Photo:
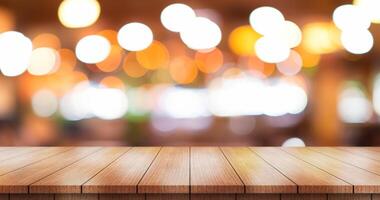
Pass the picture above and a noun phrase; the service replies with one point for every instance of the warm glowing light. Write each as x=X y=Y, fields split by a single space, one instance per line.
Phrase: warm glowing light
x=371 y=7
x=68 y=60
x=201 y=34
x=242 y=40
x=132 y=67
x=321 y=38
x=46 y=40
x=209 y=62
x=183 y=70
x=113 y=82
x=176 y=17
x=78 y=13
x=43 y=61
x=294 y=142
x=44 y=103
x=271 y=50
x=15 y=52
x=289 y=33
x=92 y=49
x=112 y=62
x=357 y=41
x=135 y=36
x=7 y=21
x=111 y=35
x=350 y=17
x=154 y=57
x=353 y=97
x=308 y=59
x=292 y=65
x=265 y=20
x=108 y=103
x=258 y=68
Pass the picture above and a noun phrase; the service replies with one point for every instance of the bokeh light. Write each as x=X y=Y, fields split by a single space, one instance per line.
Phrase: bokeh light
x=176 y=17
x=154 y=57
x=256 y=67
x=135 y=36
x=183 y=70
x=271 y=50
x=46 y=40
x=309 y=59
x=112 y=62
x=15 y=52
x=353 y=97
x=321 y=38
x=357 y=41
x=350 y=17
x=201 y=34
x=292 y=65
x=68 y=60
x=44 y=103
x=78 y=13
x=209 y=62
x=242 y=40
x=371 y=7
x=132 y=67
x=113 y=82
x=289 y=33
x=92 y=49
x=265 y=20
x=108 y=103
x=7 y=20
x=43 y=61
x=294 y=142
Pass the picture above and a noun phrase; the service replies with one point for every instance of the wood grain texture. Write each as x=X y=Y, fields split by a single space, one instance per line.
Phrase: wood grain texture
x=350 y=158
x=71 y=178
x=213 y=196
x=212 y=173
x=29 y=158
x=304 y=197
x=308 y=178
x=257 y=175
x=10 y=152
x=167 y=197
x=363 y=181
x=365 y=152
x=123 y=175
x=258 y=197
x=169 y=173
x=76 y=197
x=349 y=197
x=121 y=196
x=18 y=181
x=31 y=197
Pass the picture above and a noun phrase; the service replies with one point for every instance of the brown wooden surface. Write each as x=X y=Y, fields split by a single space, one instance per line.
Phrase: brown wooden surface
x=123 y=175
x=71 y=178
x=212 y=173
x=363 y=181
x=309 y=178
x=169 y=173
x=257 y=175
x=371 y=153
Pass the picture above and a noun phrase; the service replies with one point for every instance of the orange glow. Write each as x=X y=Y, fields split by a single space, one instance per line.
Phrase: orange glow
x=113 y=82
x=183 y=70
x=111 y=36
x=47 y=40
x=309 y=59
x=161 y=76
x=209 y=62
x=68 y=60
x=258 y=68
x=176 y=48
x=242 y=40
x=7 y=21
x=131 y=67
x=231 y=72
x=321 y=38
x=112 y=62
x=153 y=57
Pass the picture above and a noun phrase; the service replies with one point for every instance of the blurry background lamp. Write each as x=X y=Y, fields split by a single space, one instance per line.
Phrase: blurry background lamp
x=357 y=41
x=43 y=61
x=15 y=52
x=292 y=65
x=78 y=13
x=288 y=32
x=92 y=49
x=271 y=50
x=351 y=17
x=242 y=40
x=371 y=7
x=293 y=142
x=44 y=103
x=201 y=34
x=135 y=36
x=321 y=38
x=266 y=20
x=353 y=106
x=176 y=17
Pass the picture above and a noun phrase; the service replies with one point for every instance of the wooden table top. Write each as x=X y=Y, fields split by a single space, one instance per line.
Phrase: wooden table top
x=184 y=170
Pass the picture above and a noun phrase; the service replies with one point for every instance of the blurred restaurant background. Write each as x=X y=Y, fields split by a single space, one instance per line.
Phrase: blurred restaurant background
x=190 y=72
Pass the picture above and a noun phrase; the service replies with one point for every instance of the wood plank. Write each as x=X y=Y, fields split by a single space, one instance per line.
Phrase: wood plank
x=212 y=173
x=71 y=178
x=9 y=152
x=213 y=196
x=167 y=197
x=366 y=152
x=376 y=197
x=350 y=158
x=30 y=158
x=76 y=197
x=349 y=197
x=31 y=197
x=4 y=196
x=169 y=173
x=121 y=196
x=258 y=197
x=304 y=197
x=18 y=181
x=123 y=175
x=309 y=178
x=363 y=181
x=257 y=175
